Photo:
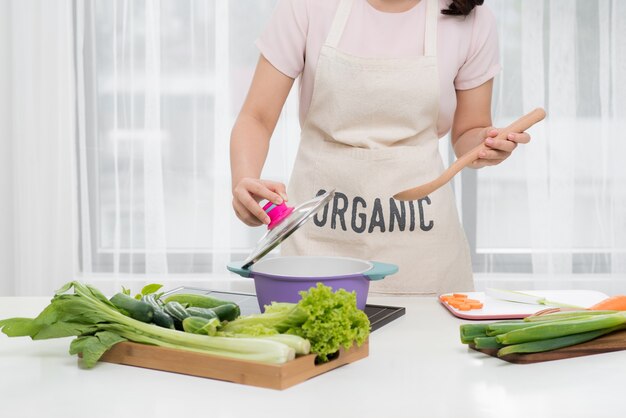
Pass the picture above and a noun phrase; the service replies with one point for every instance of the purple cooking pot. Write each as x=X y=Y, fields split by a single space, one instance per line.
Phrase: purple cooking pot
x=280 y=279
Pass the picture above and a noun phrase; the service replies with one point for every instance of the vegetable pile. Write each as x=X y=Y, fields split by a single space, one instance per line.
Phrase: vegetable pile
x=328 y=320
x=321 y=323
x=540 y=333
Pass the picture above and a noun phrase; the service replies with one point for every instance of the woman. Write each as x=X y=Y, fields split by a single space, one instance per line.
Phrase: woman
x=380 y=82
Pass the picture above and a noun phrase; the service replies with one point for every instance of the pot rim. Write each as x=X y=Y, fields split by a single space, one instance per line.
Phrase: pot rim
x=359 y=273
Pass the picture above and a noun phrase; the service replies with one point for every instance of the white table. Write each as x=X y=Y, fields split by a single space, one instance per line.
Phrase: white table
x=416 y=368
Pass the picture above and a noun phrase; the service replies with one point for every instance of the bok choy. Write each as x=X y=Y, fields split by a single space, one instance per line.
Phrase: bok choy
x=98 y=324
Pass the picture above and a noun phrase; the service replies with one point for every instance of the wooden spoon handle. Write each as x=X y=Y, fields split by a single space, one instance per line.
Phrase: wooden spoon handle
x=520 y=125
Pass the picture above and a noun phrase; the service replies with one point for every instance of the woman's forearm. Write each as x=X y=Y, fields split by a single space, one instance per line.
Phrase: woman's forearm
x=249 y=144
x=250 y=137
x=468 y=140
x=472 y=118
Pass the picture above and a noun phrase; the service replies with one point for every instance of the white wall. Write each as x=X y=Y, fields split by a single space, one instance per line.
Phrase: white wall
x=6 y=151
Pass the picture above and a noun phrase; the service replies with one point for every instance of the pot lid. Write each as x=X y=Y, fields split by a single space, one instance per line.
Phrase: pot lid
x=284 y=221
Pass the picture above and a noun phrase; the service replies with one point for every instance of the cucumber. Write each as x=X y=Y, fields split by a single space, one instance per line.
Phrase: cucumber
x=197 y=301
x=160 y=317
x=136 y=309
x=227 y=312
x=202 y=312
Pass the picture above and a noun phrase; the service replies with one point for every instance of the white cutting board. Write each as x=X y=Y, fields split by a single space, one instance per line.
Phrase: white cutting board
x=502 y=309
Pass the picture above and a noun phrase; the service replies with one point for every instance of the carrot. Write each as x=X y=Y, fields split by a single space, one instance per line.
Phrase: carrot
x=614 y=303
x=461 y=302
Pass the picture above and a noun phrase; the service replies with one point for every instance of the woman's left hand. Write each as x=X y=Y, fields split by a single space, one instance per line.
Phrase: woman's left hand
x=499 y=150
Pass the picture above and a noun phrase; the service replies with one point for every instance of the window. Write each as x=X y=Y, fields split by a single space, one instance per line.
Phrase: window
x=160 y=85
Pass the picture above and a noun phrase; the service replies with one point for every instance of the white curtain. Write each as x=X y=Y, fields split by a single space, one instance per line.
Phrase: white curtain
x=160 y=84
x=127 y=106
x=557 y=208
x=38 y=216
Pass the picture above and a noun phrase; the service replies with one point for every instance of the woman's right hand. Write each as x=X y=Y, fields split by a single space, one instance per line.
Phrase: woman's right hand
x=247 y=194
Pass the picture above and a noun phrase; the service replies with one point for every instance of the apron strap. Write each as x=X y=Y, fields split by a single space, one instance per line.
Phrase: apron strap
x=339 y=22
x=430 y=34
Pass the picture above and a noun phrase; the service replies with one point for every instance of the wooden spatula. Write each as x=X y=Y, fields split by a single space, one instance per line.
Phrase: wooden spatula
x=424 y=190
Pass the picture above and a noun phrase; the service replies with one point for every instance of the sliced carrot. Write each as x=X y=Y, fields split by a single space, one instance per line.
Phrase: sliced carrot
x=460 y=301
x=614 y=303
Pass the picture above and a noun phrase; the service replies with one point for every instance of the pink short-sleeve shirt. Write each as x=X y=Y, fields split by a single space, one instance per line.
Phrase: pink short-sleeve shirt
x=467 y=46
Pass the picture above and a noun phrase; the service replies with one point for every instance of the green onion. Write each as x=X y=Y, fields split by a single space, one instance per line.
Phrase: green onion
x=504 y=327
x=486 y=343
x=548 y=330
x=471 y=331
x=554 y=343
x=566 y=315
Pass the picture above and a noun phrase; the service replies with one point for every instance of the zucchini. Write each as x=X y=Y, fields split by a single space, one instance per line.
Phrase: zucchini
x=160 y=317
x=176 y=311
x=136 y=309
x=152 y=301
x=227 y=312
x=197 y=301
x=202 y=312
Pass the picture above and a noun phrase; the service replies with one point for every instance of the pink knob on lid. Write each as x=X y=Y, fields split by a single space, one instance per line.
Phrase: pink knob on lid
x=276 y=213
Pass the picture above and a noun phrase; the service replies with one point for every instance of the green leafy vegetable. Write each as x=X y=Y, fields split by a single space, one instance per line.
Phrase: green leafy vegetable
x=99 y=325
x=201 y=325
x=92 y=347
x=329 y=320
x=150 y=288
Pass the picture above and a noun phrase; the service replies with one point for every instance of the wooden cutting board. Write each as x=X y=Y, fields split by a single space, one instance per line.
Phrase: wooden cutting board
x=615 y=341
x=273 y=376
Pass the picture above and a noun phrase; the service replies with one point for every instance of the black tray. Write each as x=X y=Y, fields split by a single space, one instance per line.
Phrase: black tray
x=378 y=315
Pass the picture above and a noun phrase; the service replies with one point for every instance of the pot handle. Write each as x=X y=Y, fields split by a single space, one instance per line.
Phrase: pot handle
x=380 y=270
x=235 y=267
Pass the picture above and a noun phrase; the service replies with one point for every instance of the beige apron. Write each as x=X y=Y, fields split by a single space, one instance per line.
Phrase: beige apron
x=371 y=131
